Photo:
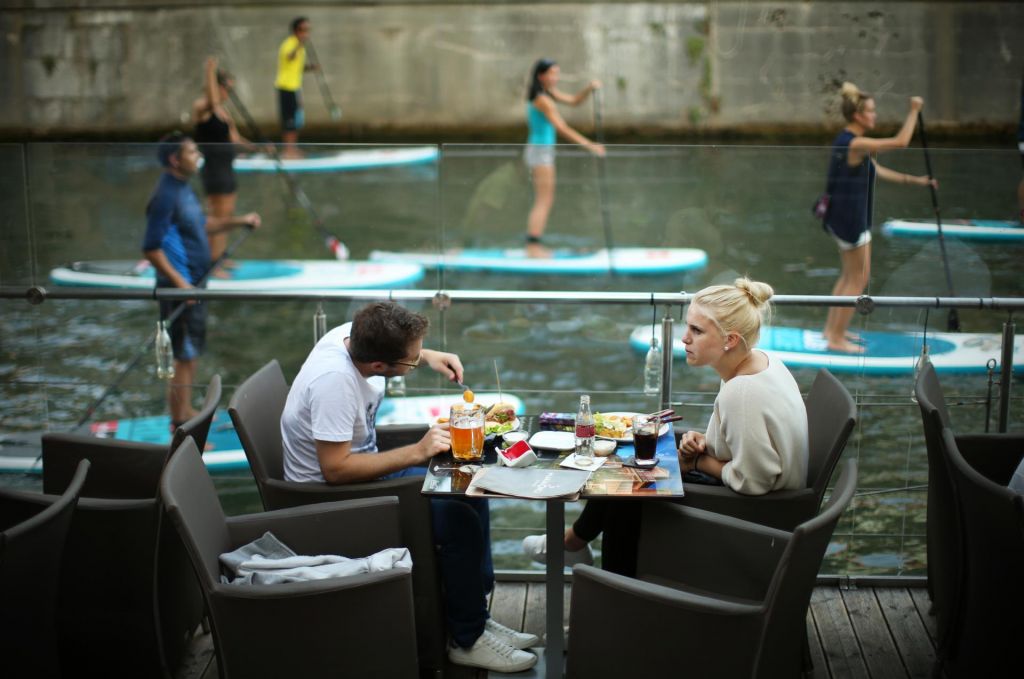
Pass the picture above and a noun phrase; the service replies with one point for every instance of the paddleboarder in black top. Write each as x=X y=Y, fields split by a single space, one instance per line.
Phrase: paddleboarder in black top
x=217 y=137
x=851 y=178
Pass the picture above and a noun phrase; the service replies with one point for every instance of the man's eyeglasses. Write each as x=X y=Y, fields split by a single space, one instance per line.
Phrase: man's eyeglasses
x=413 y=366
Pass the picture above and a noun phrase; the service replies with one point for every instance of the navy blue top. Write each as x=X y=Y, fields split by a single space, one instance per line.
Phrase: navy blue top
x=175 y=223
x=851 y=191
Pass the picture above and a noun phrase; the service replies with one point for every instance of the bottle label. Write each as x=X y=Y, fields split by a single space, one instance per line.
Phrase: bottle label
x=585 y=431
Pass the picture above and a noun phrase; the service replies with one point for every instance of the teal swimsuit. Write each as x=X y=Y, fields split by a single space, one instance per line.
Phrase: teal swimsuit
x=540 y=144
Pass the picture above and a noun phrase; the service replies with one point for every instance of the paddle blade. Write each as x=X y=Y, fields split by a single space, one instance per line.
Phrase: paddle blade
x=338 y=248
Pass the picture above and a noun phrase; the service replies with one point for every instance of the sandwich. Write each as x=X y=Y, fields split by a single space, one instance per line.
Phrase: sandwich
x=501 y=412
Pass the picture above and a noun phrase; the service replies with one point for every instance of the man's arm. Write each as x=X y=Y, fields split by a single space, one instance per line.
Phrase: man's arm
x=221 y=224
x=340 y=465
x=443 y=362
x=163 y=266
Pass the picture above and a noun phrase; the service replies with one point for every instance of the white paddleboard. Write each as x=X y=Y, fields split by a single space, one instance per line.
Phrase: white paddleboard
x=630 y=261
x=251 y=274
x=966 y=229
x=20 y=453
x=886 y=353
x=340 y=161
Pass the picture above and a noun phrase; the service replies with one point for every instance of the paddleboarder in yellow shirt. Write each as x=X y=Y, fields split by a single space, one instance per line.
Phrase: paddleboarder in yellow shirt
x=291 y=64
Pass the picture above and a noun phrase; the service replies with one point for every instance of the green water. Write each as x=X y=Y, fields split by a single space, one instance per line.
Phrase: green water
x=748 y=207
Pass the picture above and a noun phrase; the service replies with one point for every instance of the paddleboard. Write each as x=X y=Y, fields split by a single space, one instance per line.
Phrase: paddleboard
x=19 y=453
x=631 y=261
x=251 y=274
x=886 y=353
x=966 y=229
x=340 y=161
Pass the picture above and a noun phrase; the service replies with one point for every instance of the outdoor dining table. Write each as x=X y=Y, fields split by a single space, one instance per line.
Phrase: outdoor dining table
x=612 y=480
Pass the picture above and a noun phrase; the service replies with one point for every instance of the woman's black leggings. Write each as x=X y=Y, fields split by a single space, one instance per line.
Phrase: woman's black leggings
x=619 y=520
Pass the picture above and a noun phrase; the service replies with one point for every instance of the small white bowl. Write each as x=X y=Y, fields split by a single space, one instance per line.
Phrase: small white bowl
x=511 y=437
x=603 y=448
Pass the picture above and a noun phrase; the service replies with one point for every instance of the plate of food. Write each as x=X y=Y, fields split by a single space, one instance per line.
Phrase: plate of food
x=618 y=426
x=498 y=419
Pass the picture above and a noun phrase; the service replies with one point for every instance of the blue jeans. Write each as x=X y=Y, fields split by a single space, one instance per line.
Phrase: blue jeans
x=462 y=532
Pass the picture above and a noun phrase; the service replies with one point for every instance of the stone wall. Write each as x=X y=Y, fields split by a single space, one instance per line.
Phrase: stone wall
x=458 y=68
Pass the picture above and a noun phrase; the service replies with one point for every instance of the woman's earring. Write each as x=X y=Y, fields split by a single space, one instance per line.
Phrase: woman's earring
x=725 y=348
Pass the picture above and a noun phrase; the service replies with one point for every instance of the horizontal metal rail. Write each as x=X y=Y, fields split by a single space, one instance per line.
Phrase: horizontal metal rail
x=864 y=304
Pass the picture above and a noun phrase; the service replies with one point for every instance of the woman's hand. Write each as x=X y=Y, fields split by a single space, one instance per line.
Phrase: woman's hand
x=595 y=85
x=692 y=444
x=598 y=150
x=916 y=104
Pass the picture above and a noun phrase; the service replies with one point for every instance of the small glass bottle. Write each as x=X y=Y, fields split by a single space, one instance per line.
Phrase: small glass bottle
x=164 y=352
x=584 y=432
x=652 y=368
x=396 y=386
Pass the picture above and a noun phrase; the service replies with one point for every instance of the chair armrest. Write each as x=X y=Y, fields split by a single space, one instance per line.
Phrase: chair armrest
x=601 y=598
x=352 y=528
x=295 y=493
x=782 y=509
x=994 y=456
x=708 y=551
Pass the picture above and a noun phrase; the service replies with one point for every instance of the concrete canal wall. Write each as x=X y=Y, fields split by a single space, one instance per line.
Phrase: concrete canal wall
x=451 y=70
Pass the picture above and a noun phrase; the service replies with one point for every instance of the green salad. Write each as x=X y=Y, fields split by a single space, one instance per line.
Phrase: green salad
x=491 y=427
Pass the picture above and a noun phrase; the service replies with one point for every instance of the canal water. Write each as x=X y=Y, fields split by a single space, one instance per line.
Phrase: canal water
x=748 y=207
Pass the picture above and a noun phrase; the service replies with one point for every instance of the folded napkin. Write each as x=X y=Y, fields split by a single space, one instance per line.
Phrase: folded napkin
x=268 y=561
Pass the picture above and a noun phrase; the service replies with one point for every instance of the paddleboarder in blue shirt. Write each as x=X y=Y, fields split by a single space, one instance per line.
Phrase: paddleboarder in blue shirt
x=176 y=244
x=851 y=181
x=545 y=123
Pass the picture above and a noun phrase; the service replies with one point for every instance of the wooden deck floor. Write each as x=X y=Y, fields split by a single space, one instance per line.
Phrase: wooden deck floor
x=871 y=632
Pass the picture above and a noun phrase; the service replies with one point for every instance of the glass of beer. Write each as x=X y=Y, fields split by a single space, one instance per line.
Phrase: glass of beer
x=645 y=439
x=466 y=425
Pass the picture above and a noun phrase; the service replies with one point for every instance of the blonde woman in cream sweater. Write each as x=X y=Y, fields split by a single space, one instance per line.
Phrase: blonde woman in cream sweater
x=756 y=440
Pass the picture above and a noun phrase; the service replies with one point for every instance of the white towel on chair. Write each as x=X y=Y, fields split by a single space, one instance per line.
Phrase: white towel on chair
x=268 y=561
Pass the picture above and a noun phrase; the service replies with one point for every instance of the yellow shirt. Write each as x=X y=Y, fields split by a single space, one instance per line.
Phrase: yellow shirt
x=289 y=71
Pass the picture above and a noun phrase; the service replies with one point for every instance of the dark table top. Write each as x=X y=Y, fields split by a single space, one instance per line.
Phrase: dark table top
x=612 y=479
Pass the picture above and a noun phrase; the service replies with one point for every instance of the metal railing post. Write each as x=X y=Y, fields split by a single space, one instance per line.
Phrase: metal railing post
x=1006 y=375
x=666 y=360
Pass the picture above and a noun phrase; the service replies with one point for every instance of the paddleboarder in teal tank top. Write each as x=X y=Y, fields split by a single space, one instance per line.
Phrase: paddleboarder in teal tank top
x=851 y=179
x=545 y=124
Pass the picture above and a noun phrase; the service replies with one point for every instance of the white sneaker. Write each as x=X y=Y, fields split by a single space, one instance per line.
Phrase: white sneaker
x=491 y=653
x=536 y=546
x=520 y=640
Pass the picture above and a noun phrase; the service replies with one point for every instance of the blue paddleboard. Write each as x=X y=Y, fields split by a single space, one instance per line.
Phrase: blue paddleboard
x=886 y=353
x=630 y=261
x=340 y=161
x=250 y=275
x=966 y=229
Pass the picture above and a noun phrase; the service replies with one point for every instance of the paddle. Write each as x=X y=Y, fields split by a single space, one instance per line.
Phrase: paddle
x=953 y=321
x=602 y=183
x=333 y=243
x=178 y=310
x=334 y=110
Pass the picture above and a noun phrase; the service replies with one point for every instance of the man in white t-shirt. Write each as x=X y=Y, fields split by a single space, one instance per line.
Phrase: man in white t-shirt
x=328 y=432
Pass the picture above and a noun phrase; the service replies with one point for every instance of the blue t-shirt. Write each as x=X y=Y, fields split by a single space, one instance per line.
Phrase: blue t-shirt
x=176 y=224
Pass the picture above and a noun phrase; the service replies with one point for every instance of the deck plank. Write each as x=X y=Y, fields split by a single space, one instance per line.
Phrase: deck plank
x=908 y=630
x=508 y=604
x=924 y=606
x=819 y=665
x=837 y=637
x=869 y=625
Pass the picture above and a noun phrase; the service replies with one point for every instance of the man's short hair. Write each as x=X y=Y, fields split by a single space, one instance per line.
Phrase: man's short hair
x=383 y=331
x=169 y=145
x=298 y=21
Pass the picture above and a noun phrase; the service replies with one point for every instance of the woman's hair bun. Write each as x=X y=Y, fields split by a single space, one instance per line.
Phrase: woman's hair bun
x=758 y=292
x=849 y=90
